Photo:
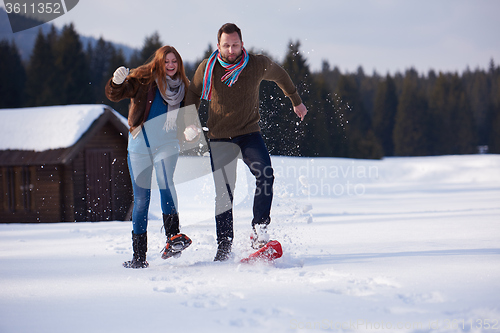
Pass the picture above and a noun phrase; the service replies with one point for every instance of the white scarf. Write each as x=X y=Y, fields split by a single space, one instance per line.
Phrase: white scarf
x=173 y=95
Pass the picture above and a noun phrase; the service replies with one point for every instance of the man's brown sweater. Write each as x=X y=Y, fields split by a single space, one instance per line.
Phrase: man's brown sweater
x=234 y=110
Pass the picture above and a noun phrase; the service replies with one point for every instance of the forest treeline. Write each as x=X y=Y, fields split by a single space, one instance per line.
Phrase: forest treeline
x=350 y=114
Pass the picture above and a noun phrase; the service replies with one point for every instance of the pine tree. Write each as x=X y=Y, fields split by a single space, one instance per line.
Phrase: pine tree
x=42 y=85
x=72 y=68
x=39 y=71
x=494 y=118
x=151 y=44
x=326 y=131
x=453 y=129
x=494 y=139
x=330 y=76
x=466 y=136
x=298 y=69
x=362 y=143
x=292 y=130
x=384 y=114
x=411 y=129
x=367 y=86
x=99 y=59
x=477 y=87
x=12 y=76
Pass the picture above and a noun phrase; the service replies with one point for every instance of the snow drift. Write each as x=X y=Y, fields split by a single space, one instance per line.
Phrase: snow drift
x=398 y=245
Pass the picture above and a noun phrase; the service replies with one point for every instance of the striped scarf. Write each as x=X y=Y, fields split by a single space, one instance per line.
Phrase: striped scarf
x=231 y=76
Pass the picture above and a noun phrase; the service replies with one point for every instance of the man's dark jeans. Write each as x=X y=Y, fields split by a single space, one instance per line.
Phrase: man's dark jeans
x=224 y=154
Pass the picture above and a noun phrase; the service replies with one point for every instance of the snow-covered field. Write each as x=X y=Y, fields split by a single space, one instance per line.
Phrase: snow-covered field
x=398 y=245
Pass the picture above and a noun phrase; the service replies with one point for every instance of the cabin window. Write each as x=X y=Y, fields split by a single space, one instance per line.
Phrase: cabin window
x=18 y=189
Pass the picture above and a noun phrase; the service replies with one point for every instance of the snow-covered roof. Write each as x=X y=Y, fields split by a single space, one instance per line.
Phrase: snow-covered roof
x=44 y=128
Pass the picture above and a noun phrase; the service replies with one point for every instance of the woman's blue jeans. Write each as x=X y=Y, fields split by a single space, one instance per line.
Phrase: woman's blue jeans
x=141 y=171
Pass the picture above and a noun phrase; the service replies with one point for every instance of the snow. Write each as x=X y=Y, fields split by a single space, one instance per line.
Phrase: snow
x=50 y=127
x=397 y=245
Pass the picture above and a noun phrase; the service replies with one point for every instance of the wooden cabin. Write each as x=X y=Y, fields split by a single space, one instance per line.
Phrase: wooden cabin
x=64 y=164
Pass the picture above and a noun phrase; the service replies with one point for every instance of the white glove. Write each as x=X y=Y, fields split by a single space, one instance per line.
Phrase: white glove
x=191 y=132
x=120 y=75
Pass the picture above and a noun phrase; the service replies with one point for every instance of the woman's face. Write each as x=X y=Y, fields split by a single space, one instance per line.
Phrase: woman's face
x=171 y=64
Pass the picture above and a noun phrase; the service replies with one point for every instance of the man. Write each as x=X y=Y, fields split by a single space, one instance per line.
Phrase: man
x=229 y=80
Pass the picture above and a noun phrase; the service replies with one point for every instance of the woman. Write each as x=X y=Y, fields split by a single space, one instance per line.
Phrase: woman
x=156 y=91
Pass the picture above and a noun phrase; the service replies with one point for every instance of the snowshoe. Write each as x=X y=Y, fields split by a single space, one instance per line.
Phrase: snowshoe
x=175 y=245
x=272 y=250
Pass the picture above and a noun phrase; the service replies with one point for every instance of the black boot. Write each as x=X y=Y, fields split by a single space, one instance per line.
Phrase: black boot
x=171 y=224
x=223 y=250
x=224 y=229
x=176 y=242
x=140 y=246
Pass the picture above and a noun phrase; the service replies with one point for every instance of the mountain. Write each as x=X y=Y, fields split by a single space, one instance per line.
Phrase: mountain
x=25 y=40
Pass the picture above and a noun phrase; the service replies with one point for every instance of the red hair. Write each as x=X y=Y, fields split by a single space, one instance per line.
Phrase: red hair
x=154 y=69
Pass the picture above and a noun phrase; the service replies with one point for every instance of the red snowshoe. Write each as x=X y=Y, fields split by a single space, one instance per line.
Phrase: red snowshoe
x=272 y=250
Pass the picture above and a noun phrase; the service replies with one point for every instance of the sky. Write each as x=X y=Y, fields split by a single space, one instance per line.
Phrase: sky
x=385 y=36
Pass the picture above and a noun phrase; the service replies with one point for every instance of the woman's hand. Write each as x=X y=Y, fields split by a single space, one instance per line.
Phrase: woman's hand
x=120 y=75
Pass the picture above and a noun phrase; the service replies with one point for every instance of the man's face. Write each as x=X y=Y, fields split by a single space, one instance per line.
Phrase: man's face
x=230 y=47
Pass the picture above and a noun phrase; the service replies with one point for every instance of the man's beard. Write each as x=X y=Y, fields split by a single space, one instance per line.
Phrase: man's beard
x=231 y=61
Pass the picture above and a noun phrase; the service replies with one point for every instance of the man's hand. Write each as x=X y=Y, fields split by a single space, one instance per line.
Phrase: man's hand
x=192 y=132
x=300 y=110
